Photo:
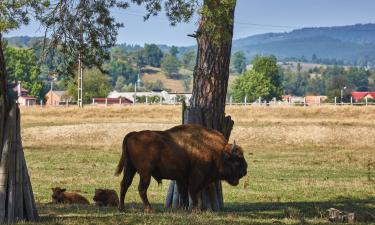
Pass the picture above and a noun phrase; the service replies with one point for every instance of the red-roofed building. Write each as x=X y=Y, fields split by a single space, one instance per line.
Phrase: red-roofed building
x=23 y=95
x=358 y=96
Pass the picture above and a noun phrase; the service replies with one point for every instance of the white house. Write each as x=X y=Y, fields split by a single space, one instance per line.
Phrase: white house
x=168 y=98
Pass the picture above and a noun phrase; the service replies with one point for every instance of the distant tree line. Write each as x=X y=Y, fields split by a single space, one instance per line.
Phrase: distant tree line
x=268 y=80
x=27 y=64
x=120 y=72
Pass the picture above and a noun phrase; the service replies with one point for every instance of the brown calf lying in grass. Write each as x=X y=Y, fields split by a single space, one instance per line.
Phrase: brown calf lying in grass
x=106 y=197
x=60 y=196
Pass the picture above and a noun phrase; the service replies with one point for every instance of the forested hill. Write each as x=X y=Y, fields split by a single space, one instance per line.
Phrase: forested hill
x=347 y=44
x=353 y=44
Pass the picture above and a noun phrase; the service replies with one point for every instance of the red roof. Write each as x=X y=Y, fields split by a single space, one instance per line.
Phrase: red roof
x=359 y=95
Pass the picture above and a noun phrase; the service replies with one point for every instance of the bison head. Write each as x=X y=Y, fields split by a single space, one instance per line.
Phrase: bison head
x=234 y=165
x=58 y=194
x=100 y=195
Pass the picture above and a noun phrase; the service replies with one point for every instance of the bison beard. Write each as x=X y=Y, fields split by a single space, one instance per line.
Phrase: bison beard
x=192 y=155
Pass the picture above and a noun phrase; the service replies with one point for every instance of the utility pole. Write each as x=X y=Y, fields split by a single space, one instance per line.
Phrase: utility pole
x=80 y=70
x=80 y=82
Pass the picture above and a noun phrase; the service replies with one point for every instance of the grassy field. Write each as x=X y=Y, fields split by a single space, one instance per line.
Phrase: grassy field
x=302 y=161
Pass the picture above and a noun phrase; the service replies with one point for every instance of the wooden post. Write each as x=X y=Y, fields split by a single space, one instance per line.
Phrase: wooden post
x=120 y=100
x=230 y=100
x=106 y=102
x=351 y=100
x=304 y=101
x=366 y=101
x=245 y=100
x=93 y=101
x=260 y=100
x=335 y=101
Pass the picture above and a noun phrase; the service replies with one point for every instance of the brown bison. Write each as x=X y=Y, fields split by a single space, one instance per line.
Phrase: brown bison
x=60 y=195
x=105 y=197
x=192 y=155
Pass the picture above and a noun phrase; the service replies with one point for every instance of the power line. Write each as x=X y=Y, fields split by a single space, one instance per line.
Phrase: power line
x=242 y=23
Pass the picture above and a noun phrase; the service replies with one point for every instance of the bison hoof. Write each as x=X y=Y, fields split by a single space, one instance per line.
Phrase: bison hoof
x=149 y=210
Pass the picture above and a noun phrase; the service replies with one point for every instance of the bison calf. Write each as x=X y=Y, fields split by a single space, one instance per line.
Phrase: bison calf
x=192 y=155
x=106 y=197
x=60 y=195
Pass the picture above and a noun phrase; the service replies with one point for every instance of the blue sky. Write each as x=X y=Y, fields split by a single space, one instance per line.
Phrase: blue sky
x=252 y=17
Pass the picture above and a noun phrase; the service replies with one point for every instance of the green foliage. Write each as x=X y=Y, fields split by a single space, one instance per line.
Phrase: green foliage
x=120 y=65
x=150 y=55
x=188 y=59
x=170 y=65
x=22 y=65
x=254 y=84
x=180 y=98
x=15 y=13
x=84 y=28
x=262 y=81
x=96 y=85
x=120 y=83
x=157 y=85
x=238 y=62
x=173 y=51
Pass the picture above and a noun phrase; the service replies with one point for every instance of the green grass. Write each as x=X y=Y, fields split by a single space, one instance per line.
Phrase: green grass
x=286 y=183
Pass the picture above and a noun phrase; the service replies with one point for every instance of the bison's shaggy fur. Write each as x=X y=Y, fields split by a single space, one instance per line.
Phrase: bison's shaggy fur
x=106 y=197
x=60 y=195
x=192 y=155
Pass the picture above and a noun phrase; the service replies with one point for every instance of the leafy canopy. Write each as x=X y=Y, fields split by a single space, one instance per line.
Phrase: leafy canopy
x=170 y=65
x=239 y=62
x=263 y=80
x=22 y=66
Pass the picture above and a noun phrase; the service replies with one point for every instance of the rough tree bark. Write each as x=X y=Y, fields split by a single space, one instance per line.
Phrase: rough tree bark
x=16 y=197
x=207 y=105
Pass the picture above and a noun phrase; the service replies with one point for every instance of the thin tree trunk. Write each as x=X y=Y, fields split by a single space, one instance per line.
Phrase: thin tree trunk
x=16 y=198
x=211 y=74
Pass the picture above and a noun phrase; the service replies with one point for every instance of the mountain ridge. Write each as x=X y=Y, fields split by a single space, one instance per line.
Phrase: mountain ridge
x=351 y=44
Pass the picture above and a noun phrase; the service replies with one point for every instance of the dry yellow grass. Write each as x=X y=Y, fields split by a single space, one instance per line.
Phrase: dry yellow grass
x=173 y=85
x=303 y=161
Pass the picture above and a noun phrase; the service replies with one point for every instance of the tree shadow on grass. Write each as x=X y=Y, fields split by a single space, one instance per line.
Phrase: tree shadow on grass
x=256 y=212
x=364 y=209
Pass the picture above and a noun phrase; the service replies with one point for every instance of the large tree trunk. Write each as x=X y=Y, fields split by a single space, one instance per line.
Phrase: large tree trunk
x=211 y=74
x=16 y=197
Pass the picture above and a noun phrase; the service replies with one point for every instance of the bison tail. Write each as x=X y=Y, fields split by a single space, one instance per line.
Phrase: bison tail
x=123 y=160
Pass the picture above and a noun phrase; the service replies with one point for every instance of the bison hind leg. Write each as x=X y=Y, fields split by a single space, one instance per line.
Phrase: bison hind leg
x=144 y=183
x=125 y=183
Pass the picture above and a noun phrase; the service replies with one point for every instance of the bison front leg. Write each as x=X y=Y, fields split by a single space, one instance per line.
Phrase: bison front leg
x=144 y=182
x=196 y=184
x=183 y=192
x=125 y=184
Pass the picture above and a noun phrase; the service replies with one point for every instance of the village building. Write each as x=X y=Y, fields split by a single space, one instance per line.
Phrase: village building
x=55 y=98
x=167 y=97
x=359 y=96
x=23 y=95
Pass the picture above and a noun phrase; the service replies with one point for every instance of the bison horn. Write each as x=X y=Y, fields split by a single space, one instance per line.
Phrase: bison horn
x=233 y=146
